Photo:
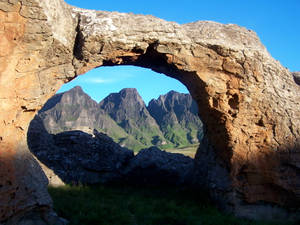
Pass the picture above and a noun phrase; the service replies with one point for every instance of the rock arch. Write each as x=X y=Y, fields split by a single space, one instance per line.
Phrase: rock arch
x=250 y=158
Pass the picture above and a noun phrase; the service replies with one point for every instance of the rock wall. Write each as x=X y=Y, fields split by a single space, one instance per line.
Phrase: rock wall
x=249 y=102
x=33 y=64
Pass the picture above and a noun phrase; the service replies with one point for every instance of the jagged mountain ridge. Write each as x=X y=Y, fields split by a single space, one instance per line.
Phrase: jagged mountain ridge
x=129 y=111
x=176 y=114
x=169 y=121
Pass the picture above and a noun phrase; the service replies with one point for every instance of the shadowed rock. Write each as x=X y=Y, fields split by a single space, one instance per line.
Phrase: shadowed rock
x=296 y=76
x=154 y=167
x=80 y=158
x=77 y=157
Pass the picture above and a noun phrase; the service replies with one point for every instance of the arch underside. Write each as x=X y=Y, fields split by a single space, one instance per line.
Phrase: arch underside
x=250 y=156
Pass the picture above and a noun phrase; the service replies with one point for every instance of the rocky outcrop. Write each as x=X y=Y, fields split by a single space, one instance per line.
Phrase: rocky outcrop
x=249 y=102
x=77 y=157
x=296 y=76
x=154 y=167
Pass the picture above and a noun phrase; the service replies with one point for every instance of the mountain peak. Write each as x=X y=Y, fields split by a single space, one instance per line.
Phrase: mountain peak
x=127 y=98
x=172 y=92
x=67 y=96
x=76 y=89
x=173 y=107
x=128 y=109
x=129 y=93
x=125 y=117
x=129 y=90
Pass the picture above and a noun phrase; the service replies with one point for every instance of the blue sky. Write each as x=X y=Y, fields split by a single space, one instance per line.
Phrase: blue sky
x=277 y=23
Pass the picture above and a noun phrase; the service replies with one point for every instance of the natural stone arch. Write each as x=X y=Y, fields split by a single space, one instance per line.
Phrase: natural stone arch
x=249 y=102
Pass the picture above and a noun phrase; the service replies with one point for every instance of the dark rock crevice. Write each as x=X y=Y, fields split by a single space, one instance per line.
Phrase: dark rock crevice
x=296 y=76
x=79 y=41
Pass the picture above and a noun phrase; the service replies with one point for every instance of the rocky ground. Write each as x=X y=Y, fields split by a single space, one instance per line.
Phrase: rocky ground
x=77 y=157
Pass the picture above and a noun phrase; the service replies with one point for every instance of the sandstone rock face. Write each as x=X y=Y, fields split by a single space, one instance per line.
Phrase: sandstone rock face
x=249 y=102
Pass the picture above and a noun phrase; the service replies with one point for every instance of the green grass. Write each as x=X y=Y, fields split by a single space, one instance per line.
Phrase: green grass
x=189 y=150
x=122 y=205
x=176 y=135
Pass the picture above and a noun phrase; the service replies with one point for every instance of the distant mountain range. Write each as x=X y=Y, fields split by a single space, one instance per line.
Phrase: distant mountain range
x=171 y=121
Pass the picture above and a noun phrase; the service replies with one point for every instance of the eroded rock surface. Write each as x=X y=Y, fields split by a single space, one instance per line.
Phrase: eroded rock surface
x=249 y=102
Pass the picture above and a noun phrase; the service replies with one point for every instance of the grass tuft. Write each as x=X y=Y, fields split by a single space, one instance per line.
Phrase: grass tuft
x=123 y=205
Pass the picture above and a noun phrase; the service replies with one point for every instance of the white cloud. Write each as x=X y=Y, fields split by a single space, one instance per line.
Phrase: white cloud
x=108 y=78
x=98 y=80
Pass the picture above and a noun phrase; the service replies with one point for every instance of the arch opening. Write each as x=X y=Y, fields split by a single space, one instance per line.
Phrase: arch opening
x=72 y=127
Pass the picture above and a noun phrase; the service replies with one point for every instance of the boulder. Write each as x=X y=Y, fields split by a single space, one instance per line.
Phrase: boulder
x=76 y=157
x=154 y=167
